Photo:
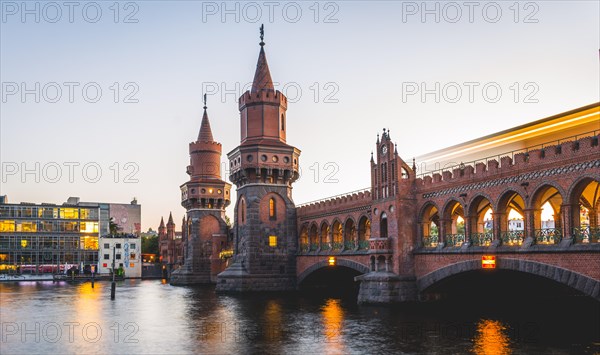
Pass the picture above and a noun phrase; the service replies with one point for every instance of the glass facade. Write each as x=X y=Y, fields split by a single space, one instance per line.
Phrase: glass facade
x=48 y=238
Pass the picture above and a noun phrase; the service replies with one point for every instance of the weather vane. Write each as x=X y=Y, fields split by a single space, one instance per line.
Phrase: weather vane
x=205 y=101
x=262 y=34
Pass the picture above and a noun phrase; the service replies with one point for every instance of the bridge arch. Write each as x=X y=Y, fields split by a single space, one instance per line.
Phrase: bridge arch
x=584 y=201
x=358 y=267
x=324 y=234
x=452 y=226
x=575 y=280
x=509 y=217
x=429 y=222
x=478 y=228
x=547 y=224
x=538 y=192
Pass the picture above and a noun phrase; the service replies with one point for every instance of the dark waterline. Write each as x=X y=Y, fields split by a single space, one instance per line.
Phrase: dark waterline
x=151 y=317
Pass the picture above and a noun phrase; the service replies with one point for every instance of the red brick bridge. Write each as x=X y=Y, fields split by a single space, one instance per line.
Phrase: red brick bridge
x=535 y=210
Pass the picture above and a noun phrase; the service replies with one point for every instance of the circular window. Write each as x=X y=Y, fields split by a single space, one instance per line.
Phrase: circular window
x=249 y=158
x=286 y=160
x=275 y=159
x=391 y=208
x=193 y=191
x=219 y=191
x=203 y=191
x=263 y=157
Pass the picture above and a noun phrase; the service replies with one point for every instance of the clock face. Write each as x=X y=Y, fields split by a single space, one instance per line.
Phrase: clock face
x=384 y=149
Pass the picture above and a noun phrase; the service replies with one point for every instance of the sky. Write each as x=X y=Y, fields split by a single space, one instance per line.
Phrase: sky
x=100 y=99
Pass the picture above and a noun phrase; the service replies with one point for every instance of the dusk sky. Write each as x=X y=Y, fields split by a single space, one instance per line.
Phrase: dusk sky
x=349 y=69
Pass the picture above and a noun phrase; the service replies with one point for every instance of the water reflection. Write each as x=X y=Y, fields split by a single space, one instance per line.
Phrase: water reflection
x=333 y=322
x=150 y=317
x=491 y=338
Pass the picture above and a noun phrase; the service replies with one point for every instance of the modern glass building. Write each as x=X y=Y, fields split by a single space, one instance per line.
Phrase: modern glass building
x=47 y=238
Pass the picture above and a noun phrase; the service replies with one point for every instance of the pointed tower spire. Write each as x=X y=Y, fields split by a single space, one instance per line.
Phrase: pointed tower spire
x=170 y=219
x=205 y=134
x=262 y=76
x=162 y=223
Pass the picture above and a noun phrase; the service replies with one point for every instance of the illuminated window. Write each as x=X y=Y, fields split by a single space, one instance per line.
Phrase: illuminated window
x=89 y=227
x=26 y=227
x=272 y=208
x=69 y=213
x=7 y=226
x=132 y=256
x=131 y=264
x=89 y=243
x=272 y=241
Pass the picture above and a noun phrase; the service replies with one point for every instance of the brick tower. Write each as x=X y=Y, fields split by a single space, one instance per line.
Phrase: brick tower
x=263 y=167
x=393 y=228
x=205 y=197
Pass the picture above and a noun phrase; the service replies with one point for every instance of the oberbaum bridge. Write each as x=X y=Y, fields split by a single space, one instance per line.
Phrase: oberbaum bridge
x=408 y=231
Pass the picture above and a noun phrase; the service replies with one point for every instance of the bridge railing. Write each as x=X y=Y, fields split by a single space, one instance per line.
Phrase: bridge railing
x=511 y=154
x=481 y=239
x=586 y=234
x=454 y=240
x=548 y=236
x=510 y=238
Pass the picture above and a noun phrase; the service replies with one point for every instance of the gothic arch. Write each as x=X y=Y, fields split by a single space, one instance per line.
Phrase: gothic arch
x=579 y=185
x=446 y=212
x=363 y=269
x=241 y=209
x=426 y=205
x=507 y=193
x=575 y=280
x=209 y=225
x=540 y=188
x=269 y=203
x=324 y=232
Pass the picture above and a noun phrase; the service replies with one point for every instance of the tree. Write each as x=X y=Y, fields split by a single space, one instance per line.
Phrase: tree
x=113 y=227
x=150 y=245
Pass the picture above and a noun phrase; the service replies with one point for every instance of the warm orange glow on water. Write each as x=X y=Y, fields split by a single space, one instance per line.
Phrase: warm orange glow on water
x=333 y=322
x=273 y=320
x=491 y=338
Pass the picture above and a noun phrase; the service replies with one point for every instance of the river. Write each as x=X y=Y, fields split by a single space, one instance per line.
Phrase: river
x=152 y=317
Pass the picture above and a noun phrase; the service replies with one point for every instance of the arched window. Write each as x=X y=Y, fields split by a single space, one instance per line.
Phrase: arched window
x=243 y=211
x=272 y=208
x=383 y=226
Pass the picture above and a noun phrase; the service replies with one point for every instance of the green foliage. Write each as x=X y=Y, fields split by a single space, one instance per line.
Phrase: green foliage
x=113 y=227
x=150 y=245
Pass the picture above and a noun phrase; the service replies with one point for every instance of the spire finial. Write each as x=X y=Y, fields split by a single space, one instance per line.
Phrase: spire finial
x=205 y=101
x=262 y=35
